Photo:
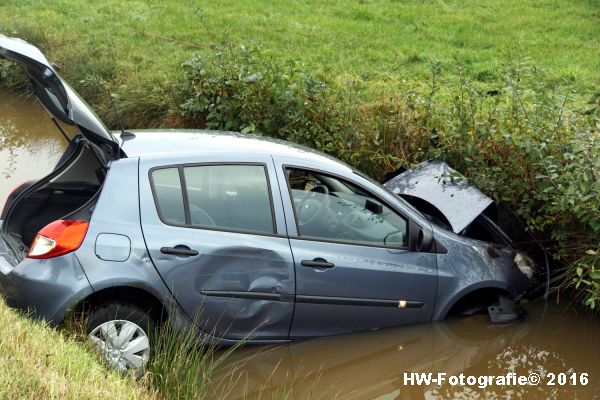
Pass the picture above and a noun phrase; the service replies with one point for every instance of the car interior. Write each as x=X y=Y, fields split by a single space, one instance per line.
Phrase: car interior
x=330 y=208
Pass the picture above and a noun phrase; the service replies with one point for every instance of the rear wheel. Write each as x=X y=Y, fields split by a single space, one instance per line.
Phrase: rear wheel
x=122 y=333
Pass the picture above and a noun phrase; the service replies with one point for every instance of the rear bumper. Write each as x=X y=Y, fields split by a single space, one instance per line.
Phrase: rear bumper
x=45 y=288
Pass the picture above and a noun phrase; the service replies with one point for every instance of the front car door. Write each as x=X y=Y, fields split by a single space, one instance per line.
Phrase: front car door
x=354 y=269
x=215 y=232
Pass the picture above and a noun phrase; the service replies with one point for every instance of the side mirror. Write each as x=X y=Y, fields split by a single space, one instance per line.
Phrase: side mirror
x=424 y=241
x=374 y=207
x=421 y=239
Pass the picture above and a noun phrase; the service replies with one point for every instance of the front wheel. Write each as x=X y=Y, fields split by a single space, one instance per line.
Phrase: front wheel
x=122 y=333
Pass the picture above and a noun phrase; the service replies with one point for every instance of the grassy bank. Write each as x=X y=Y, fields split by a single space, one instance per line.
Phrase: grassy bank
x=137 y=47
x=376 y=40
x=506 y=92
x=40 y=363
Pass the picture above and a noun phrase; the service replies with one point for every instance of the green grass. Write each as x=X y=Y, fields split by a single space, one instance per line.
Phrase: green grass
x=143 y=43
x=38 y=362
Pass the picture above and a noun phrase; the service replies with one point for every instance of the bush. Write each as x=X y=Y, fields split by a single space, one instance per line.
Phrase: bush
x=519 y=138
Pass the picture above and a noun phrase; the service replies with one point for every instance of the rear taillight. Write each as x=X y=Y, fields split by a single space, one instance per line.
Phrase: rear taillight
x=58 y=238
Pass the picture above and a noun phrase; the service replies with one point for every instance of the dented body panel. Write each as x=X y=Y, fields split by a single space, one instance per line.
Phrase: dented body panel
x=471 y=265
x=240 y=284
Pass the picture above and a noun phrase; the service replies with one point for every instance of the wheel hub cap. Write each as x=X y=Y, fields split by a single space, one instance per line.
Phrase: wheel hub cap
x=123 y=344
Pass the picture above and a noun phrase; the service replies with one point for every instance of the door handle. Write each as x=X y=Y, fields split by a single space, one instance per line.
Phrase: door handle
x=317 y=263
x=179 y=250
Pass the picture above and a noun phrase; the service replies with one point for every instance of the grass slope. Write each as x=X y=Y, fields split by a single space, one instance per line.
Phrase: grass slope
x=37 y=362
x=143 y=43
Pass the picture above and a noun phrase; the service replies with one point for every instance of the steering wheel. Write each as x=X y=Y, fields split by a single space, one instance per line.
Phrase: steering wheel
x=391 y=234
x=311 y=207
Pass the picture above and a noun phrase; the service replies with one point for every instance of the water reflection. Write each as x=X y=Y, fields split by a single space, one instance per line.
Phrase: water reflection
x=372 y=365
x=30 y=144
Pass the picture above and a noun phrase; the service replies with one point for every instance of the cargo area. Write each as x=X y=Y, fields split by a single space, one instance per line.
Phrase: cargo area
x=69 y=189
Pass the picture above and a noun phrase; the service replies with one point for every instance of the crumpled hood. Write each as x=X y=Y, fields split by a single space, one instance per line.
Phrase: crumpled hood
x=444 y=188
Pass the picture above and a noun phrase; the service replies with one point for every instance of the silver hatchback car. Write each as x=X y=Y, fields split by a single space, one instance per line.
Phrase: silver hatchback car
x=237 y=237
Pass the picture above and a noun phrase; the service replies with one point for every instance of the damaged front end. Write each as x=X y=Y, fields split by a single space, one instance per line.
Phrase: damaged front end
x=447 y=199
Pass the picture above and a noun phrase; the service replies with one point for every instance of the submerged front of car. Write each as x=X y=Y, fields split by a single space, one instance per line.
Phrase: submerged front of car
x=481 y=263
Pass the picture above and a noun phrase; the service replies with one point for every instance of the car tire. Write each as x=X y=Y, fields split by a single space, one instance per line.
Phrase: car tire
x=123 y=334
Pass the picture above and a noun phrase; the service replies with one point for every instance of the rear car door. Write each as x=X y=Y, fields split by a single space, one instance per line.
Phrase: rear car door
x=215 y=232
x=354 y=269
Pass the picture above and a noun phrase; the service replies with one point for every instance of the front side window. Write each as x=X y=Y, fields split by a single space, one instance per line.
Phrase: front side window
x=227 y=197
x=328 y=208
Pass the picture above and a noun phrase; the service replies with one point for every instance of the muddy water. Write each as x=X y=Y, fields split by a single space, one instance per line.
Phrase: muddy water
x=371 y=365
x=368 y=365
x=30 y=144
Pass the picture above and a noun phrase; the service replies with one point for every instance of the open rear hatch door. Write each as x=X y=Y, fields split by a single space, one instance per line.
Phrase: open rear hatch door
x=58 y=97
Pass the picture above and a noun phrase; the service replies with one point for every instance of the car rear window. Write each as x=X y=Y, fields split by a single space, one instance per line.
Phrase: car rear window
x=221 y=197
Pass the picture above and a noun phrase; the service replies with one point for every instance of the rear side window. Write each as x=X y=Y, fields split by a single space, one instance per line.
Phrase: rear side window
x=223 y=197
x=169 y=198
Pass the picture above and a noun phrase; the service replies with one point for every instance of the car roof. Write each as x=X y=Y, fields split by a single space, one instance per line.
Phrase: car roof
x=175 y=142
x=173 y=145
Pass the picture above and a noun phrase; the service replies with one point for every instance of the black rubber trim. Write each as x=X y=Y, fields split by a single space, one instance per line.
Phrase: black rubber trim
x=288 y=298
x=353 y=301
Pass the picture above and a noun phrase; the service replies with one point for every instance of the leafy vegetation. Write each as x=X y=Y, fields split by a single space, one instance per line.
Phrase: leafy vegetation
x=584 y=277
x=135 y=49
x=525 y=143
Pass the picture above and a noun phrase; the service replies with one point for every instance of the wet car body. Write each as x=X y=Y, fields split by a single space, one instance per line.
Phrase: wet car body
x=451 y=203
x=282 y=243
